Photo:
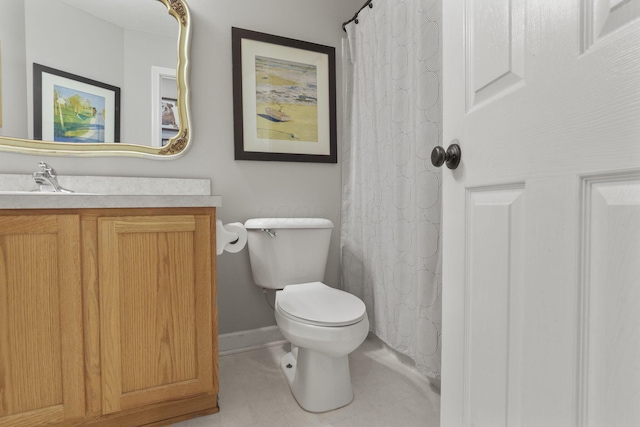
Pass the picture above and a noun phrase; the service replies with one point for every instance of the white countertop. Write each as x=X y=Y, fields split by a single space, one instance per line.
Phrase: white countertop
x=108 y=192
x=77 y=201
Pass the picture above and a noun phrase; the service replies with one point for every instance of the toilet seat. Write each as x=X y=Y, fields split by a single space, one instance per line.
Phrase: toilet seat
x=318 y=304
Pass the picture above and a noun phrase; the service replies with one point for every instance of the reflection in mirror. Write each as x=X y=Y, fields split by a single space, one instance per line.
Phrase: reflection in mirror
x=134 y=46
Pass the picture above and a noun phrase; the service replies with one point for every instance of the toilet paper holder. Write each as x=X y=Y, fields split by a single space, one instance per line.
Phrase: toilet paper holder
x=231 y=237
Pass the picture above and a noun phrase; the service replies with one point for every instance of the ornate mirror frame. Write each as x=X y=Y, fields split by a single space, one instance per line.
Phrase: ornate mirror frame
x=176 y=145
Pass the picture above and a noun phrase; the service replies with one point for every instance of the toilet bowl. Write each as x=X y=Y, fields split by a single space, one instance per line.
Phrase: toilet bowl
x=322 y=324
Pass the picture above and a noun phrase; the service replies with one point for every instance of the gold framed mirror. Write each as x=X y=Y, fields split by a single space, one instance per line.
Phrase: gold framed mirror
x=166 y=137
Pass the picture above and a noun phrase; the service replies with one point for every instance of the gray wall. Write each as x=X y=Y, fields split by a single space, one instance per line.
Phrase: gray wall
x=159 y=52
x=249 y=188
x=14 y=80
x=89 y=35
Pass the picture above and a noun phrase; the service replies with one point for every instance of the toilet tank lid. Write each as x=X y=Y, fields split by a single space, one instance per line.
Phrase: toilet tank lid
x=274 y=223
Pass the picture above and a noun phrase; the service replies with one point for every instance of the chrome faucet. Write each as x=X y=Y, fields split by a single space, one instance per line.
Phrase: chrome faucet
x=47 y=179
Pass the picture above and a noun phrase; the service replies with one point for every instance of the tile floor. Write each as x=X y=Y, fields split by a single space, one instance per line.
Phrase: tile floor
x=254 y=392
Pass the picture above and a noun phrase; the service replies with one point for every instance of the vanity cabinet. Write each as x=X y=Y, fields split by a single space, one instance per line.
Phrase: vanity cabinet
x=107 y=316
x=41 y=338
x=155 y=308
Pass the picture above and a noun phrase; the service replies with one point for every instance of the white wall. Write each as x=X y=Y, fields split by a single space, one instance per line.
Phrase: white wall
x=14 y=80
x=249 y=188
x=136 y=93
x=96 y=52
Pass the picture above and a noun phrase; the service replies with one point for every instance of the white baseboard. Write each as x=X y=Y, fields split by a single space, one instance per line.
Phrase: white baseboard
x=253 y=339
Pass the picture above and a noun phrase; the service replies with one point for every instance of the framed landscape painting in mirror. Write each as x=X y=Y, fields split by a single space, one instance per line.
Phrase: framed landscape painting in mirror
x=71 y=108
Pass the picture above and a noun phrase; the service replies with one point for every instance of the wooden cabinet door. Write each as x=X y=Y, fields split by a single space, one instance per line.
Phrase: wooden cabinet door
x=155 y=275
x=41 y=361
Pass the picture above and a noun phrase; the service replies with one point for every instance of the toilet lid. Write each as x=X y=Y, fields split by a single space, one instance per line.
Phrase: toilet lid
x=318 y=304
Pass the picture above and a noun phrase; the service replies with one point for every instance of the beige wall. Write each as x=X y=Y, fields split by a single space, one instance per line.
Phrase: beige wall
x=249 y=188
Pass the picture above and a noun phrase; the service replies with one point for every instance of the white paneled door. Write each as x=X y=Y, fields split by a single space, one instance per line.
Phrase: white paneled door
x=541 y=250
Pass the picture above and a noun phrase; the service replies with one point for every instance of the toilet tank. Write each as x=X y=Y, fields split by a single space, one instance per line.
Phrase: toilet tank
x=286 y=251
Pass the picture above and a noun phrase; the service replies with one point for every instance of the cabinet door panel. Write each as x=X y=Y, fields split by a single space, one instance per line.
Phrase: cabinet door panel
x=155 y=275
x=41 y=365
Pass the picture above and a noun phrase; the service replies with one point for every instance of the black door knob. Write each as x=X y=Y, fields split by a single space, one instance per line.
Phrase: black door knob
x=451 y=157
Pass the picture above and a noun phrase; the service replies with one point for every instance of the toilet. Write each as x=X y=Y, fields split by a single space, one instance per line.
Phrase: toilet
x=322 y=324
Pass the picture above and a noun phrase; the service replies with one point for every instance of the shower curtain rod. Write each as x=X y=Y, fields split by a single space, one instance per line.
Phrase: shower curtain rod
x=355 y=17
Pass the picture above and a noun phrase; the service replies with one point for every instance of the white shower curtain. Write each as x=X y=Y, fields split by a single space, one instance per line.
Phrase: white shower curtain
x=391 y=207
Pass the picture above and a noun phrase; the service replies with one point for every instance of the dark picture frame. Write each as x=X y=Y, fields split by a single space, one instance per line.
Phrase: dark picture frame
x=284 y=99
x=74 y=109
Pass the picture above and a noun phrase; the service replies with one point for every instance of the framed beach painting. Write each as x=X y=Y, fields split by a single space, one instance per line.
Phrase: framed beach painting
x=284 y=93
x=71 y=108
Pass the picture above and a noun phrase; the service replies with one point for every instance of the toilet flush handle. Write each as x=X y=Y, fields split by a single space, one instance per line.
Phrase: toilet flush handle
x=271 y=233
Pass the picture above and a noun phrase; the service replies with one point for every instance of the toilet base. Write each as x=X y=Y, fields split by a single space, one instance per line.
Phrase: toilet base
x=318 y=382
